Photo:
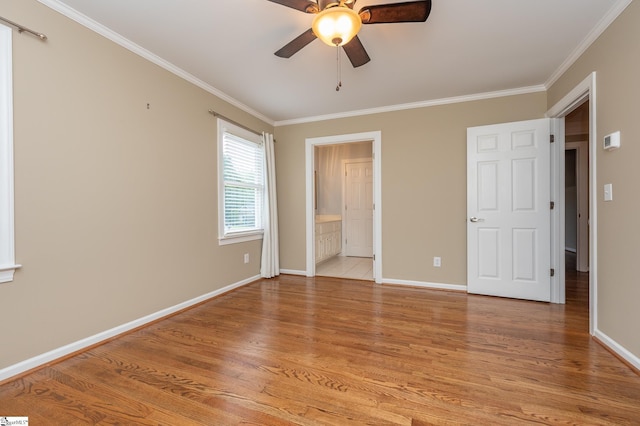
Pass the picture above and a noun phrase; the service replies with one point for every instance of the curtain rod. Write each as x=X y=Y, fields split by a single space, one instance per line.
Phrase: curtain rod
x=215 y=114
x=22 y=29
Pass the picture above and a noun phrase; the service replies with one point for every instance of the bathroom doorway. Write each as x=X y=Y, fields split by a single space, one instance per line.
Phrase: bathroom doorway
x=332 y=231
x=344 y=210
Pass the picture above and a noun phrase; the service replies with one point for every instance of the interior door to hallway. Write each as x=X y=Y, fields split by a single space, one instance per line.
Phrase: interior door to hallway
x=508 y=210
x=359 y=209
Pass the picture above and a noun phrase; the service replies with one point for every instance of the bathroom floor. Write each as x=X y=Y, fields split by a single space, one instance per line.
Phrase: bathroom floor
x=359 y=268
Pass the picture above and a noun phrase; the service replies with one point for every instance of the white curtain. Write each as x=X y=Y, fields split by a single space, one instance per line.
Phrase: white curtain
x=270 y=262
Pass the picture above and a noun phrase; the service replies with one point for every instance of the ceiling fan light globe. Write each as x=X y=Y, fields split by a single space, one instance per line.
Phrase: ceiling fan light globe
x=336 y=23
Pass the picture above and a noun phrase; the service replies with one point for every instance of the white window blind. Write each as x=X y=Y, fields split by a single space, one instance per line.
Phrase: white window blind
x=242 y=182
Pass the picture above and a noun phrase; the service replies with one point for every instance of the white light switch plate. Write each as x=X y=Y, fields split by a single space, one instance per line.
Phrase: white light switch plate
x=608 y=192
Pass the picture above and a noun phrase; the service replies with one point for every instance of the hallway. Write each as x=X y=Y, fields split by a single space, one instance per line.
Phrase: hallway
x=577 y=284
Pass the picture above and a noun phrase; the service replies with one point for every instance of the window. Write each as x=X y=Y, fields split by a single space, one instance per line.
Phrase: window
x=241 y=184
x=7 y=254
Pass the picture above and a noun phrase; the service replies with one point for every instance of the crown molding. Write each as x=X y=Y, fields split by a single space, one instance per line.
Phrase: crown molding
x=138 y=50
x=593 y=35
x=414 y=105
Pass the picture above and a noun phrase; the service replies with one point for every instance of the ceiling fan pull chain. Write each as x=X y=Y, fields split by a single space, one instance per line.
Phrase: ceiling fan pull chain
x=339 y=70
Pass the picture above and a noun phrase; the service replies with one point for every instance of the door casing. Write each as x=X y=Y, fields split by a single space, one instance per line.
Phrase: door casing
x=375 y=137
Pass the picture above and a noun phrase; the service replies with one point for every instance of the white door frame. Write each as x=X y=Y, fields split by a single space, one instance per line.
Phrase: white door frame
x=583 y=91
x=376 y=141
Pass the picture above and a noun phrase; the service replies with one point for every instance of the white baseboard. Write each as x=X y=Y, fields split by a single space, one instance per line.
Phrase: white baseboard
x=617 y=348
x=440 y=286
x=39 y=360
x=455 y=287
x=293 y=272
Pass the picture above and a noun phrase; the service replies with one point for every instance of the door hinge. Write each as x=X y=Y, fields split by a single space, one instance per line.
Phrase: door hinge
x=374 y=257
x=552 y=138
x=552 y=205
x=553 y=272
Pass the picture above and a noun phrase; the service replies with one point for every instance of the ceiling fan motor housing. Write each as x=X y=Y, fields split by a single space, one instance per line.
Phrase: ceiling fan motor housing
x=323 y=4
x=343 y=28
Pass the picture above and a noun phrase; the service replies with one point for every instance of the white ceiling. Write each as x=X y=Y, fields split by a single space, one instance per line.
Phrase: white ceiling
x=466 y=47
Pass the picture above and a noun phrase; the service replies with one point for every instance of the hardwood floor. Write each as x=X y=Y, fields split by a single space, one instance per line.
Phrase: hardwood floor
x=297 y=350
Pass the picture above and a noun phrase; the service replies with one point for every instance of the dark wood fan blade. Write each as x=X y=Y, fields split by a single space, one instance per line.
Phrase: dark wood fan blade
x=306 y=6
x=356 y=53
x=411 y=11
x=296 y=44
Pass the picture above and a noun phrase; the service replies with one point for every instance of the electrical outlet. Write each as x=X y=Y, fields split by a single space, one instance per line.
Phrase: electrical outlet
x=246 y=258
x=437 y=262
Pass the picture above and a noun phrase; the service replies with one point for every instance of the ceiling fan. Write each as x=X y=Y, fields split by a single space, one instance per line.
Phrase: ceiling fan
x=337 y=24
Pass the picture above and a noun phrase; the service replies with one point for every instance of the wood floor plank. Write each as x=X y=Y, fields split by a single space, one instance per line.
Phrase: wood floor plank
x=166 y=403
x=297 y=350
x=216 y=385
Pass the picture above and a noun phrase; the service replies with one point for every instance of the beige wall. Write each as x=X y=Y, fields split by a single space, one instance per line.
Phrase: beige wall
x=423 y=182
x=615 y=57
x=115 y=204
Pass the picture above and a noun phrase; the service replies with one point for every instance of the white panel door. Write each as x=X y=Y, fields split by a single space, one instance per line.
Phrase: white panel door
x=508 y=211
x=359 y=209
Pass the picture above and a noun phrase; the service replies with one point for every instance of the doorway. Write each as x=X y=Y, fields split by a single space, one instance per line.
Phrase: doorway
x=576 y=184
x=344 y=210
x=583 y=95
x=320 y=202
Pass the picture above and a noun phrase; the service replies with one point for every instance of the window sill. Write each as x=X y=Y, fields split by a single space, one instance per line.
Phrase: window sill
x=6 y=273
x=239 y=238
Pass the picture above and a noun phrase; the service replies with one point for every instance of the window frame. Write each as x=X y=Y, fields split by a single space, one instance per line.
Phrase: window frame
x=7 y=232
x=239 y=132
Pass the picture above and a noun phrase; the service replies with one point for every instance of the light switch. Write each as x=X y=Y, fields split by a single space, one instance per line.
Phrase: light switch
x=608 y=192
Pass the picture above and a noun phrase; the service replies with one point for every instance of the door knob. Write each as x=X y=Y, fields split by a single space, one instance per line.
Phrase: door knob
x=475 y=219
